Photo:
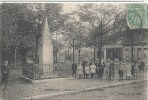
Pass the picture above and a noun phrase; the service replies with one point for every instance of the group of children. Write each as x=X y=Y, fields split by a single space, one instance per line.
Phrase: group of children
x=130 y=71
x=91 y=70
x=86 y=70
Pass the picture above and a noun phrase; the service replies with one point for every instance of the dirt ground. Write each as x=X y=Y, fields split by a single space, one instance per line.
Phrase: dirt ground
x=134 y=91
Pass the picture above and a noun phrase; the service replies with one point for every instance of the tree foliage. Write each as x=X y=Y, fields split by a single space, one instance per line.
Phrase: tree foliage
x=21 y=24
x=100 y=18
x=89 y=24
x=75 y=31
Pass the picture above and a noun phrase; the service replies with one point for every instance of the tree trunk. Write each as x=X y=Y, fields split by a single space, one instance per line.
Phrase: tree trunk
x=68 y=54
x=100 y=58
x=56 y=49
x=36 y=52
x=132 y=44
x=1 y=49
x=15 y=56
x=79 y=55
x=94 y=53
x=73 y=51
x=23 y=52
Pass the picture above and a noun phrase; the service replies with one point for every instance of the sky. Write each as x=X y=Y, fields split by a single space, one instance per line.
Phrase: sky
x=68 y=7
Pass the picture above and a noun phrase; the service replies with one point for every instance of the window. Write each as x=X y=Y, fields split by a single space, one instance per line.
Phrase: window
x=145 y=52
x=139 y=48
x=139 y=53
x=134 y=53
x=127 y=53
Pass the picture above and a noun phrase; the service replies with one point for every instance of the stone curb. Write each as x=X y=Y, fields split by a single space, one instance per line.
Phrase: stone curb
x=79 y=90
x=44 y=80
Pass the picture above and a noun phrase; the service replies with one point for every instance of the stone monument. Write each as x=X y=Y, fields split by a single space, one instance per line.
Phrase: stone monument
x=46 y=52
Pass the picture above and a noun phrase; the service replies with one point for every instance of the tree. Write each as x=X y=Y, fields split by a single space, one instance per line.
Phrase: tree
x=11 y=16
x=21 y=24
x=100 y=18
x=55 y=19
x=57 y=46
x=75 y=34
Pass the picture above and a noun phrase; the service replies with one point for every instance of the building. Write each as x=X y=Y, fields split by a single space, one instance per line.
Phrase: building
x=123 y=53
x=110 y=52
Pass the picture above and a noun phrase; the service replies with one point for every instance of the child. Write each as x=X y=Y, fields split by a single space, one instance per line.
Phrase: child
x=93 y=70
x=136 y=69
x=120 y=72
x=5 y=74
x=87 y=69
x=80 y=71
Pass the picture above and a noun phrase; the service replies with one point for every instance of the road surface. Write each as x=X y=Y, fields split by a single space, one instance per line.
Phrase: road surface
x=134 y=91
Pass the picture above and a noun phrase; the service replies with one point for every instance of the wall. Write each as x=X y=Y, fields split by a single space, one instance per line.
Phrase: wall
x=138 y=52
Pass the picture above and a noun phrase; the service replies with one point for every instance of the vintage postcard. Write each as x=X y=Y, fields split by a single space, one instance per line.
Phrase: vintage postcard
x=54 y=50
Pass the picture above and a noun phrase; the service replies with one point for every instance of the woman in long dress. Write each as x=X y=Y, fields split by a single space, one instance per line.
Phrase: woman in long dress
x=102 y=69
x=128 y=69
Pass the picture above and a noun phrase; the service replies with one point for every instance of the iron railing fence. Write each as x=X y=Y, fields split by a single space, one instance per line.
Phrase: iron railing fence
x=45 y=71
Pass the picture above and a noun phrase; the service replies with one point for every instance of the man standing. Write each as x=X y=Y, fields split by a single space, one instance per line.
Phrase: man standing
x=74 y=69
x=5 y=74
x=120 y=71
x=84 y=65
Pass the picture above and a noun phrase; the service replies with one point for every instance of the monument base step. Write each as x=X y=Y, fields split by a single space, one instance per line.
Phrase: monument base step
x=26 y=79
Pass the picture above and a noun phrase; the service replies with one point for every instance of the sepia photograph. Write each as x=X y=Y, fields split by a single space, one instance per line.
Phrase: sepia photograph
x=73 y=51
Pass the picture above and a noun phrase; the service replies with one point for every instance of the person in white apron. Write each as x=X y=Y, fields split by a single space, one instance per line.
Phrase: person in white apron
x=92 y=70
